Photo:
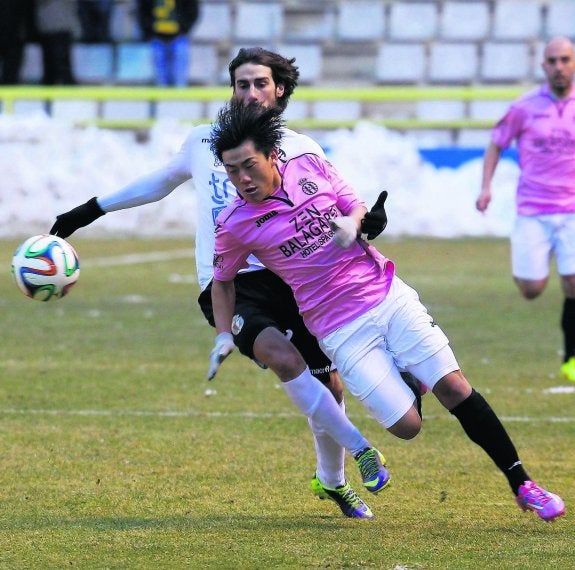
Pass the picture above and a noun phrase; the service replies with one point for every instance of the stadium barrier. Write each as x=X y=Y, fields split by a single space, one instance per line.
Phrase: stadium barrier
x=11 y=96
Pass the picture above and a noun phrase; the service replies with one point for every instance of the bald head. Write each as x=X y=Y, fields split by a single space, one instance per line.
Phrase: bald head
x=559 y=65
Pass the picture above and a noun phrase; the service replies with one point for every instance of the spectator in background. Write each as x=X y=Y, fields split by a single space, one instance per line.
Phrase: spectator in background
x=56 y=22
x=15 y=15
x=94 y=16
x=167 y=23
x=543 y=124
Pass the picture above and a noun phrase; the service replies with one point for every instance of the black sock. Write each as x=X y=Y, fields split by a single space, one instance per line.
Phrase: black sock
x=483 y=427
x=568 y=327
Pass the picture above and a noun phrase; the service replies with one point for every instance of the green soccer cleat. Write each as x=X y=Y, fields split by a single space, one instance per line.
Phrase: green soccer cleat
x=347 y=499
x=568 y=369
x=371 y=464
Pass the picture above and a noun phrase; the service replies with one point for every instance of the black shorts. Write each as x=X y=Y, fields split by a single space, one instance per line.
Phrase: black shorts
x=263 y=300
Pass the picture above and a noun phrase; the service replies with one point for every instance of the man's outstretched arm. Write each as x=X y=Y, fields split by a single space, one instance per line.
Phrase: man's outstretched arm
x=223 y=303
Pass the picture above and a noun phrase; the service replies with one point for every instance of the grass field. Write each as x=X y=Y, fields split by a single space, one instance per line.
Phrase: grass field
x=114 y=455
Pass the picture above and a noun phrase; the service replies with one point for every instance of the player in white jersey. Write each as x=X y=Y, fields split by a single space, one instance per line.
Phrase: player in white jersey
x=265 y=310
x=304 y=222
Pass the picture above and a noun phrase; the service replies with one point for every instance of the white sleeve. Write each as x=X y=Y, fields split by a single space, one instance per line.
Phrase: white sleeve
x=153 y=186
x=295 y=144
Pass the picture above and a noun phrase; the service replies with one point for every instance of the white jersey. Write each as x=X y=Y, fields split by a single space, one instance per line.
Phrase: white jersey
x=215 y=191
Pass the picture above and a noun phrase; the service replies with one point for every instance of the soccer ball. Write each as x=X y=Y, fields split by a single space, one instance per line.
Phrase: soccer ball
x=45 y=267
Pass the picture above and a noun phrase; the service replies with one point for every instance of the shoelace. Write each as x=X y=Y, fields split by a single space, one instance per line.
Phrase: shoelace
x=351 y=497
x=537 y=494
x=368 y=464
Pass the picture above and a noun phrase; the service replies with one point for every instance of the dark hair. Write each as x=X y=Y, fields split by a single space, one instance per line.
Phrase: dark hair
x=284 y=72
x=237 y=122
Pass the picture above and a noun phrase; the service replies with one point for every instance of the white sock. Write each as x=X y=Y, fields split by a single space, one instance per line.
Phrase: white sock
x=330 y=455
x=318 y=404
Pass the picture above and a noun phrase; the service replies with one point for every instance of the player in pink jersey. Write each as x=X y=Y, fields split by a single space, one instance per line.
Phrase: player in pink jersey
x=543 y=124
x=265 y=308
x=303 y=221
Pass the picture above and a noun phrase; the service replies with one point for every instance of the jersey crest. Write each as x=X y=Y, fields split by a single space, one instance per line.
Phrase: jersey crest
x=309 y=187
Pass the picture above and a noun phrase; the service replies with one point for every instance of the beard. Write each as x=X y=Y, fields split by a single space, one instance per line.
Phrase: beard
x=560 y=86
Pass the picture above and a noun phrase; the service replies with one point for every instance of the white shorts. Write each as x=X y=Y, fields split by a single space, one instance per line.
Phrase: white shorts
x=535 y=238
x=398 y=334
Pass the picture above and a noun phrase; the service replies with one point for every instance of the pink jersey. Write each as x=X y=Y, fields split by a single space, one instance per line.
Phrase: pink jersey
x=289 y=233
x=544 y=127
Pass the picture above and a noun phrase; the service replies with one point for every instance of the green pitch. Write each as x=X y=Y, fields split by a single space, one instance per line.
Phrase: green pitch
x=115 y=455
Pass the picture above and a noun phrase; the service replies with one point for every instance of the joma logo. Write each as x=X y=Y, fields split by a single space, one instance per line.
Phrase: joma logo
x=261 y=221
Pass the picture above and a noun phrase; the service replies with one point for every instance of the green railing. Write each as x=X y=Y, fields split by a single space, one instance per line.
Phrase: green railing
x=366 y=95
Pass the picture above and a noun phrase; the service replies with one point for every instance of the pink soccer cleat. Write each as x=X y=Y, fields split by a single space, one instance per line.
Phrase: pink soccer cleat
x=546 y=505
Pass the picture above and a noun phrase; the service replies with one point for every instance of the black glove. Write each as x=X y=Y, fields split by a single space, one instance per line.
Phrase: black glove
x=375 y=220
x=66 y=224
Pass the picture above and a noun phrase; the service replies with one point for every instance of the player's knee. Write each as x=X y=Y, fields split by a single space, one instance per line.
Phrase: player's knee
x=272 y=349
x=409 y=432
x=452 y=389
x=531 y=289
x=405 y=431
x=408 y=426
x=530 y=294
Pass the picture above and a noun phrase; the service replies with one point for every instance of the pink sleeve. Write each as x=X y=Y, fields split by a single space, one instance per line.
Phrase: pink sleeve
x=229 y=255
x=508 y=128
x=347 y=199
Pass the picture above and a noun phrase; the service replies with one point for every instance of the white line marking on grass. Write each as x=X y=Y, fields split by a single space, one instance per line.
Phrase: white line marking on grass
x=157 y=414
x=135 y=258
x=258 y=415
x=560 y=390
x=550 y=419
